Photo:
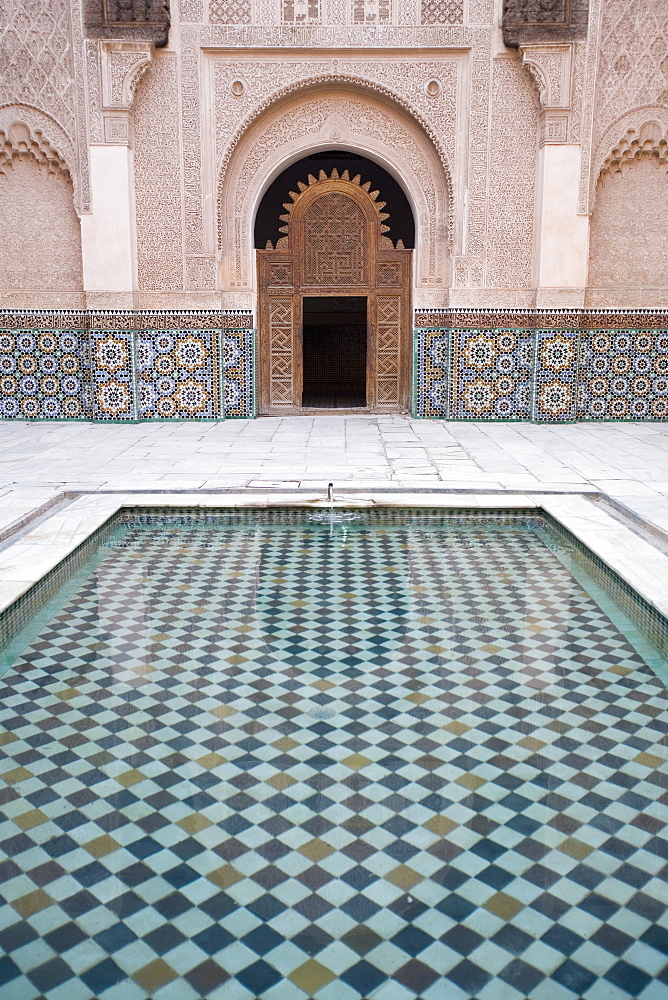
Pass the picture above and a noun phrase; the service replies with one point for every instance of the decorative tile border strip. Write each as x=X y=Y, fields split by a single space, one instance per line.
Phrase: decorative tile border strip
x=547 y=366
x=126 y=366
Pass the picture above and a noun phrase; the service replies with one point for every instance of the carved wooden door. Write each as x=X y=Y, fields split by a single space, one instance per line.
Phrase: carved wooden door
x=334 y=244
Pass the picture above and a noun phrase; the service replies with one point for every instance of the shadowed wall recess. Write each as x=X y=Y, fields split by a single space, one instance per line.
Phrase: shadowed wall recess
x=136 y=20
x=532 y=21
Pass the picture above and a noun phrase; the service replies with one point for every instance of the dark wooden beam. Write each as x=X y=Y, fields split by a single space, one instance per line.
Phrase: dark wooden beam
x=532 y=22
x=131 y=20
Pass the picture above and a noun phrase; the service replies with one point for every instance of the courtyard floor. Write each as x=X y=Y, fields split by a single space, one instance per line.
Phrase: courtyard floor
x=628 y=462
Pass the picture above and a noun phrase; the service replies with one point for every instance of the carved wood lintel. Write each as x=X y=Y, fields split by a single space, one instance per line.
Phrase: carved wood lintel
x=145 y=20
x=536 y=21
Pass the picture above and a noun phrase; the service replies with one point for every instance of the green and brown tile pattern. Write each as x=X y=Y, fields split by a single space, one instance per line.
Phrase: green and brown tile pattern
x=332 y=759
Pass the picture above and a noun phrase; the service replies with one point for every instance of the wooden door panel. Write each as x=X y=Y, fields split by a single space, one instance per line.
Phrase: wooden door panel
x=334 y=246
x=388 y=356
x=334 y=242
x=281 y=351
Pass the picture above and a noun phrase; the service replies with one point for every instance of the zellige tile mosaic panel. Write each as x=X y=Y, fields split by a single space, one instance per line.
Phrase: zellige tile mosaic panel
x=624 y=375
x=44 y=373
x=121 y=368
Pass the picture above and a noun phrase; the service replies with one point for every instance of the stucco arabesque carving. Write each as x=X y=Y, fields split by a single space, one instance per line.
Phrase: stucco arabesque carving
x=550 y=66
x=122 y=66
x=331 y=36
x=28 y=132
x=341 y=79
x=641 y=133
x=358 y=120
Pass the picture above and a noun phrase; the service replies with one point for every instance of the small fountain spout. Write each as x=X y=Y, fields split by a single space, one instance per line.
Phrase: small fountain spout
x=330 y=502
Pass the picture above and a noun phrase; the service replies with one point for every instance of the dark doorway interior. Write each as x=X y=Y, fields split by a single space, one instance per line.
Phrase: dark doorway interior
x=335 y=348
x=401 y=222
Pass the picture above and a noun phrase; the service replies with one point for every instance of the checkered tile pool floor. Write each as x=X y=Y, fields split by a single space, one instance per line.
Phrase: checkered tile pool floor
x=288 y=759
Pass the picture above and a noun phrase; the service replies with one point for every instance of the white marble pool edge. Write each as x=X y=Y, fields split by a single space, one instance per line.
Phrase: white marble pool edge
x=39 y=549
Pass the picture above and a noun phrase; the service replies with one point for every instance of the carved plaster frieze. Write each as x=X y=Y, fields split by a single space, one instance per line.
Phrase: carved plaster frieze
x=589 y=104
x=632 y=65
x=123 y=65
x=551 y=68
x=333 y=36
x=406 y=84
x=19 y=141
x=42 y=68
x=114 y=71
x=553 y=127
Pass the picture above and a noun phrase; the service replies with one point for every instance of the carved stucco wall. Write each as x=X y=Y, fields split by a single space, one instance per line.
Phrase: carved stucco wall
x=408 y=80
x=37 y=212
x=441 y=59
x=478 y=113
x=158 y=170
x=36 y=58
x=633 y=58
x=512 y=177
x=628 y=261
x=631 y=49
x=41 y=60
x=198 y=234
x=625 y=131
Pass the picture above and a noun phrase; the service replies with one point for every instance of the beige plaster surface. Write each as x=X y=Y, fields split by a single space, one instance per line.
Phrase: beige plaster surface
x=563 y=234
x=108 y=233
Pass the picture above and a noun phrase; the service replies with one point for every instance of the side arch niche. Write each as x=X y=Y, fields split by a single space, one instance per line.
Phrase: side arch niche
x=627 y=247
x=37 y=207
x=350 y=117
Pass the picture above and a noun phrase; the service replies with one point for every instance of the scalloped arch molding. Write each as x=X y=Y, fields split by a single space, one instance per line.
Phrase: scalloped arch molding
x=27 y=131
x=313 y=116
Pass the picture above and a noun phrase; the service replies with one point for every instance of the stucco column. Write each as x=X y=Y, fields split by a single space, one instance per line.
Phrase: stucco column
x=562 y=236
x=108 y=234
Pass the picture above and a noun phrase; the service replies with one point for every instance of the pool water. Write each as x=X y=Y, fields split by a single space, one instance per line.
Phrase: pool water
x=374 y=755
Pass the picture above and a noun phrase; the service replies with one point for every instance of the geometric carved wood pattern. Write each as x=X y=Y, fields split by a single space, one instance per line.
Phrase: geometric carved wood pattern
x=281 y=350
x=334 y=244
x=389 y=274
x=388 y=337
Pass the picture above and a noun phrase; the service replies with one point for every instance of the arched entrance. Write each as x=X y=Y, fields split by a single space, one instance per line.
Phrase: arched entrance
x=334 y=303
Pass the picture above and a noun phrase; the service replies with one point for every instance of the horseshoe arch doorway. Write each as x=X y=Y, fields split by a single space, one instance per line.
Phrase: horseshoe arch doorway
x=334 y=288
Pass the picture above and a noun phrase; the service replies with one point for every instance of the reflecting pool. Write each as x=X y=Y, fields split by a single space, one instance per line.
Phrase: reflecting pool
x=379 y=754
